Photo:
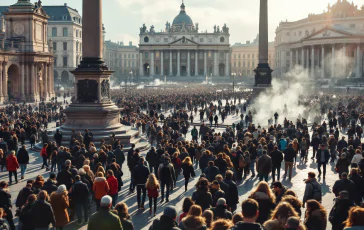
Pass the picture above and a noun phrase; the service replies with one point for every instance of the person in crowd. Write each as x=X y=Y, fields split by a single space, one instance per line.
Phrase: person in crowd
x=42 y=212
x=5 y=203
x=140 y=174
x=100 y=188
x=208 y=215
x=312 y=190
x=167 y=220
x=60 y=202
x=277 y=158
x=233 y=199
x=51 y=184
x=266 y=200
x=211 y=171
x=186 y=205
x=279 y=216
x=65 y=176
x=152 y=186
x=342 y=165
x=359 y=185
x=104 y=218
x=279 y=190
x=316 y=216
x=23 y=195
x=294 y=201
x=202 y=196
x=345 y=184
x=355 y=219
x=289 y=156
x=322 y=158
x=340 y=210
x=44 y=155
x=216 y=192
x=193 y=220
x=23 y=160
x=80 y=193
x=12 y=165
x=25 y=214
x=222 y=224
x=188 y=170
x=237 y=218
x=220 y=211
x=293 y=223
x=250 y=211
x=126 y=220
x=264 y=166
x=167 y=177
x=113 y=186
x=357 y=157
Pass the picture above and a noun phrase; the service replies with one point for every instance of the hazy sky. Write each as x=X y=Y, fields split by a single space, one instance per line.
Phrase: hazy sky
x=123 y=18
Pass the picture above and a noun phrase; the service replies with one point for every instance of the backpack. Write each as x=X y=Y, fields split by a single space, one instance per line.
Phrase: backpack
x=243 y=161
x=316 y=193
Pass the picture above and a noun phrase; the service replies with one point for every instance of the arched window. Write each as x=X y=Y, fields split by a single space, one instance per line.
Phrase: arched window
x=146 y=39
x=222 y=39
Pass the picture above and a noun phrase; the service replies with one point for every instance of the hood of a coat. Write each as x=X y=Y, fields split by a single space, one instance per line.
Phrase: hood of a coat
x=260 y=196
x=100 y=179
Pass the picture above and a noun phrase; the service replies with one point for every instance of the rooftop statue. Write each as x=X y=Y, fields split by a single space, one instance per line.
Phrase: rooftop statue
x=143 y=29
x=151 y=29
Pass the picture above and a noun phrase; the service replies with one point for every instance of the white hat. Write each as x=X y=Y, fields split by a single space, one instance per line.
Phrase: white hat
x=106 y=200
x=61 y=188
x=81 y=171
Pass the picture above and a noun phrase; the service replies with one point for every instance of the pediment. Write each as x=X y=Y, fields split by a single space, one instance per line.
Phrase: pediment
x=328 y=33
x=183 y=41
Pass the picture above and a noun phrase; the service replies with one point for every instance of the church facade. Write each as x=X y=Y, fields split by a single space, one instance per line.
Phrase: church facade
x=26 y=60
x=181 y=50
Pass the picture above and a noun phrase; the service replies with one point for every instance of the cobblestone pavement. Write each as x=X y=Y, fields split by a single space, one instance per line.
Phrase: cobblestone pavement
x=142 y=220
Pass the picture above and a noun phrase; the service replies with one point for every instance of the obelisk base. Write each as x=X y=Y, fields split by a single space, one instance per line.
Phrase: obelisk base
x=263 y=75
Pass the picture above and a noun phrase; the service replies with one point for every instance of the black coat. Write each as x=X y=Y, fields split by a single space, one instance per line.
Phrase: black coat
x=164 y=223
x=225 y=187
x=211 y=173
x=23 y=156
x=152 y=158
x=277 y=158
x=233 y=192
x=266 y=206
x=23 y=196
x=221 y=212
x=203 y=199
x=188 y=171
x=5 y=199
x=79 y=193
x=50 y=186
x=140 y=174
x=359 y=187
x=65 y=177
x=339 y=213
x=26 y=217
x=247 y=226
x=289 y=154
x=347 y=185
x=42 y=214
x=167 y=174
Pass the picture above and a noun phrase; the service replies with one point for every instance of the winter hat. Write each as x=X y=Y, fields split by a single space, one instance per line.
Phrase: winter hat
x=106 y=200
x=170 y=212
x=61 y=188
x=221 y=201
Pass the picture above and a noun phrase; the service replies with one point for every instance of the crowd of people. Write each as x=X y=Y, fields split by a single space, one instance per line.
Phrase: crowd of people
x=219 y=160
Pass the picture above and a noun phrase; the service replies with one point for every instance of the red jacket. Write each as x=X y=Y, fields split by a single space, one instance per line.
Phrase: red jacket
x=113 y=184
x=153 y=193
x=12 y=163
x=43 y=152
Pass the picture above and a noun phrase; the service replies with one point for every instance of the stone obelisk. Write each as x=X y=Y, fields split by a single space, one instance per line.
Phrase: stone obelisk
x=263 y=73
x=92 y=107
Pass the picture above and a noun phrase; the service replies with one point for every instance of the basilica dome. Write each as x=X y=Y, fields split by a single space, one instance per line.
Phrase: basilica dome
x=182 y=18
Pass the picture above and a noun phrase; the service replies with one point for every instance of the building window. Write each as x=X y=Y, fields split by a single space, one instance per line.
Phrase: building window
x=132 y=56
x=54 y=32
x=54 y=46
x=146 y=39
x=76 y=33
x=201 y=39
x=65 y=46
x=129 y=56
x=76 y=46
x=165 y=39
x=55 y=61
x=65 y=60
x=65 y=32
x=146 y=55
x=222 y=39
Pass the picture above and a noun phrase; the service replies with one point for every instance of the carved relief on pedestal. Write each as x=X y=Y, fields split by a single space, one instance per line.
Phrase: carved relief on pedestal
x=87 y=91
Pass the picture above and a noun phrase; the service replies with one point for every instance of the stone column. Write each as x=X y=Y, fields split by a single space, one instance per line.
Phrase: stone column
x=178 y=64
x=263 y=32
x=188 y=63
x=50 y=76
x=290 y=58
x=333 y=61
x=196 y=63
x=303 y=57
x=1 y=81
x=296 y=56
x=308 y=59
x=92 y=14
x=5 y=80
x=162 y=66
x=358 y=61
x=45 y=81
x=152 y=64
x=205 y=63
x=22 y=82
x=227 y=64
x=32 y=80
x=345 y=61
x=170 y=64
x=216 y=67
x=313 y=61
x=141 y=69
x=323 y=61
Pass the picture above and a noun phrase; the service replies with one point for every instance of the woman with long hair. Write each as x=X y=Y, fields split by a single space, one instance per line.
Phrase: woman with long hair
x=202 y=196
x=152 y=186
x=188 y=170
x=355 y=219
x=59 y=202
x=186 y=205
x=295 y=202
x=125 y=218
x=44 y=155
x=316 y=216
x=176 y=161
x=25 y=215
x=194 y=219
x=280 y=216
x=266 y=200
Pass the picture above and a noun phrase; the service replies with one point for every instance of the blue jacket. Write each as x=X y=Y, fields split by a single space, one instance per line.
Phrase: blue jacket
x=282 y=144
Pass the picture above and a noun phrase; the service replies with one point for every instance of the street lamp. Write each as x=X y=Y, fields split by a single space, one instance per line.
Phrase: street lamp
x=148 y=70
x=233 y=74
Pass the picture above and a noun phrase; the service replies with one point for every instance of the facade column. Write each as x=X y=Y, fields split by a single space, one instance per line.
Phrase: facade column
x=22 y=82
x=45 y=81
x=308 y=59
x=52 y=80
x=227 y=64
x=1 y=81
x=358 y=61
x=216 y=67
x=296 y=57
x=141 y=69
x=313 y=61
x=196 y=63
x=178 y=64
x=303 y=57
x=170 y=64
x=32 y=80
x=333 y=61
x=205 y=63
x=188 y=63
x=152 y=64
x=323 y=61
x=345 y=61
x=5 y=80
x=290 y=58
x=162 y=65
x=49 y=66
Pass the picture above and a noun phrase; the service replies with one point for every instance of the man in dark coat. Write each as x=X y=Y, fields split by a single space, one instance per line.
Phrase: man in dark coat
x=277 y=158
x=119 y=154
x=5 y=203
x=345 y=184
x=65 y=176
x=42 y=212
x=220 y=211
x=104 y=219
x=250 y=211
x=233 y=191
x=140 y=176
x=167 y=220
x=322 y=157
x=264 y=166
x=167 y=177
x=80 y=194
x=339 y=213
x=58 y=138
x=224 y=187
x=23 y=160
x=51 y=184
x=153 y=160
x=211 y=171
